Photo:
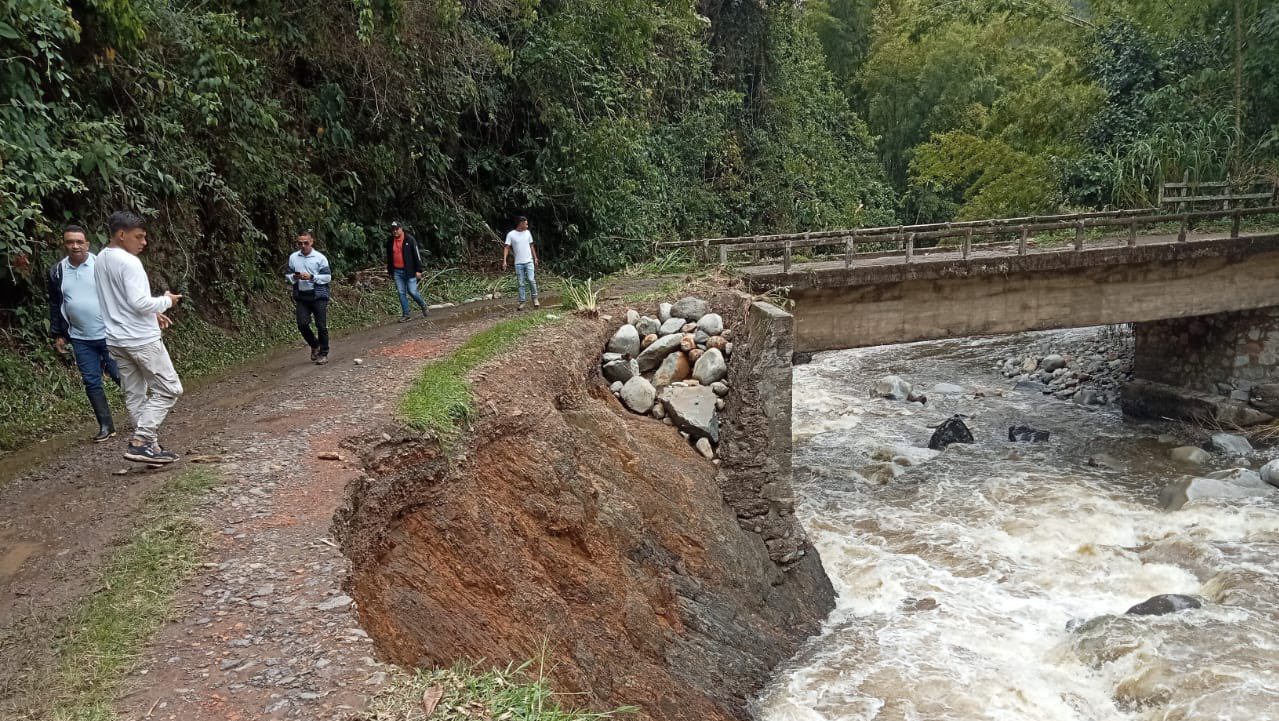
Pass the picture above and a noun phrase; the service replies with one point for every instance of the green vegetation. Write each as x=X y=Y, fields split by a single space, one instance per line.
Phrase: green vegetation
x=465 y=692
x=106 y=631
x=440 y=399
x=583 y=296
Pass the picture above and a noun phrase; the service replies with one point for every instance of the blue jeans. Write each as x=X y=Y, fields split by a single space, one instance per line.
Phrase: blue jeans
x=92 y=358
x=522 y=271
x=406 y=284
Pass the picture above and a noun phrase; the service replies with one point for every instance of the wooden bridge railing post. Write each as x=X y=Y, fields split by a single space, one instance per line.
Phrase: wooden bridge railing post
x=850 y=249
x=723 y=255
x=1079 y=236
x=968 y=243
x=1132 y=235
x=1234 y=224
x=1025 y=237
x=1185 y=226
x=910 y=247
x=786 y=257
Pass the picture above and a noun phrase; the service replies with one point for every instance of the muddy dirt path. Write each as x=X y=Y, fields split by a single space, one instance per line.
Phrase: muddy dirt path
x=262 y=631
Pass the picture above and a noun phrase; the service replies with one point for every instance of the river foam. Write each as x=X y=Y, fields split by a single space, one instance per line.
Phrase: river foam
x=957 y=580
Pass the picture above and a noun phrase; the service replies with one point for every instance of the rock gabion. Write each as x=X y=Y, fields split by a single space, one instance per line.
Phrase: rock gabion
x=673 y=368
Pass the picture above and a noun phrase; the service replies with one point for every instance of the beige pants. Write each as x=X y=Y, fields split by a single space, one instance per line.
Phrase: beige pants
x=150 y=386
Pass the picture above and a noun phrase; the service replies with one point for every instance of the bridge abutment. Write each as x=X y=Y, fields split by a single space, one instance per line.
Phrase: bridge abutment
x=1219 y=367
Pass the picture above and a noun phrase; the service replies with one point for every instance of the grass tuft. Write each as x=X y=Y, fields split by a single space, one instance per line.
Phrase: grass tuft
x=440 y=399
x=468 y=694
x=107 y=630
x=581 y=297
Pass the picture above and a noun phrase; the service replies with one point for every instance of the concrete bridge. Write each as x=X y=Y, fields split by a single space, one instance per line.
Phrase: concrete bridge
x=1204 y=305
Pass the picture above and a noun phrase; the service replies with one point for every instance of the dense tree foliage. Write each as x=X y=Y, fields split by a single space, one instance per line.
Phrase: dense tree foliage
x=611 y=123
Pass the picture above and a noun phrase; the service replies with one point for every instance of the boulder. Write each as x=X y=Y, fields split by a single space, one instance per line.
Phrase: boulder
x=1052 y=363
x=1270 y=473
x=648 y=326
x=653 y=355
x=691 y=308
x=672 y=325
x=675 y=367
x=694 y=354
x=607 y=358
x=1029 y=365
x=947 y=389
x=625 y=341
x=692 y=408
x=952 y=430
x=1231 y=445
x=710 y=367
x=720 y=388
x=664 y=312
x=1190 y=454
x=689 y=328
x=621 y=370
x=638 y=394
x=1164 y=603
x=1027 y=433
x=700 y=338
x=891 y=387
x=632 y=317
x=687 y=343
x=1184 y=490
x=1245 y=477
x=648 y=340
x=711 y=324
x=616 y=387
x=717 y=342
x=1265 y=398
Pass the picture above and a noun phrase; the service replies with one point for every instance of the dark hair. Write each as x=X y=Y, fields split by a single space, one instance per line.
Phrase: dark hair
x=74 y=229
x=520 y=219
x=307 y=232
x=124 y=220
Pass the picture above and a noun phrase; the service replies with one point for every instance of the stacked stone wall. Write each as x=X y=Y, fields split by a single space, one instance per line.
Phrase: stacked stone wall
x=1227 y=354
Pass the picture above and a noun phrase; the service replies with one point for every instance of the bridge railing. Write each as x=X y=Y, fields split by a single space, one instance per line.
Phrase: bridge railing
x=908 y=241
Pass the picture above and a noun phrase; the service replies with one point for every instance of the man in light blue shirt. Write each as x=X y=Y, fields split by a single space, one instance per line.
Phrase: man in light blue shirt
x=76 y=316
x=308 y=271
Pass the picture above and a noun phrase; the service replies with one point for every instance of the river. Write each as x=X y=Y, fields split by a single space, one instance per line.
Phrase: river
x=958 y=579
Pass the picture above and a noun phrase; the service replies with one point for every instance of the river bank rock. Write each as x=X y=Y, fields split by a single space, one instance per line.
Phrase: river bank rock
x=893 y=388
x=1270 y=473
x=1231 y=444
x=1192 y=455
x=1176 y=495
x=1088 y=370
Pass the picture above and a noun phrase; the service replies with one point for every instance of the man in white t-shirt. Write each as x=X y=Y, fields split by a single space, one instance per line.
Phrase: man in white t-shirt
x=521 y=241
x=134 y=320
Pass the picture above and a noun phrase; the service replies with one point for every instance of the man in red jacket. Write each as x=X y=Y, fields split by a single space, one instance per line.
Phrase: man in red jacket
x=404 y=265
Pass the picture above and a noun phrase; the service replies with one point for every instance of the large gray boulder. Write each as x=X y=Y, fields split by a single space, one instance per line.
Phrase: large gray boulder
x=672 y=325
x=692 y=409
x=647 y=326
x=653 y=355
x=691 y=309
x=1051 y=363
x=711 y=324
x=625 y=341
x=710 y=368
x=1231 y=445
x=892 y=387
x=1190 y=454
x=1184 y=490
x=664 y=312
x=621 y=370
x=1163 y=604
x=1270 y=473
x=1240 y=477
x=638 y=394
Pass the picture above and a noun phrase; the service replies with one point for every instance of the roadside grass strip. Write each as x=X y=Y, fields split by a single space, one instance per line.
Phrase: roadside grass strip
x=106 y=631
x=440 y=399
x=465 y=693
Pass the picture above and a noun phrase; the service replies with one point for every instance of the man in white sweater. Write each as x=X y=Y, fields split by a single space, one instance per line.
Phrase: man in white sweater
x=134 y=320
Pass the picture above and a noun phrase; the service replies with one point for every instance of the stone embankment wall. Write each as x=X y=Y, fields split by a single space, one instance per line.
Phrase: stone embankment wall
x=1222 y=366
x=652 y=576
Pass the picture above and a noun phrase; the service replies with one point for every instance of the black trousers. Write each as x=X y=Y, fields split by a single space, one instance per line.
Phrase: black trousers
x=318 y=307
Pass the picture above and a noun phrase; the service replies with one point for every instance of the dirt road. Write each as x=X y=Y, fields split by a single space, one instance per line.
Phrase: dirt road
x=262 y=631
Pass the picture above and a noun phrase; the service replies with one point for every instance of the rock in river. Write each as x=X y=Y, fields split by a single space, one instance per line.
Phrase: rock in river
x=1270 y=473
x=892 y=388
x=1027 y=433
x=1191 y=455
x=952 y=430
x=1231 y=444
x=1164 y=603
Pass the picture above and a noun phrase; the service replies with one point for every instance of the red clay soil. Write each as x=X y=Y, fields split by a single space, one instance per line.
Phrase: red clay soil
x=563 y=521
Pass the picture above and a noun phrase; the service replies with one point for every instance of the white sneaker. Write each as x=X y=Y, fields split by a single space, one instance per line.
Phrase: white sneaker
x=537 y=303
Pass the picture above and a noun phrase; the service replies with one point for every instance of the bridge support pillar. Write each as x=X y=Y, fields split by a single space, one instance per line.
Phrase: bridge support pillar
x=1226 y=366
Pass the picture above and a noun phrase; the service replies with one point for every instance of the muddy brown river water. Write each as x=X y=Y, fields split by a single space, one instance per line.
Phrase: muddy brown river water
x=958 y=578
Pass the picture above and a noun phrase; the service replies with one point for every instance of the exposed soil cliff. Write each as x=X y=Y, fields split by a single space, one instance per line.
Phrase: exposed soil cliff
x=561 y=519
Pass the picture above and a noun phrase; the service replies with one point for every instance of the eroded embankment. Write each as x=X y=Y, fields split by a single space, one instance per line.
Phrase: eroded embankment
x=561 y=519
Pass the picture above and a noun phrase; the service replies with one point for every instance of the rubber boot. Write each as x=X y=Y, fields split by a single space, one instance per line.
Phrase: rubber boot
x=102 y=411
